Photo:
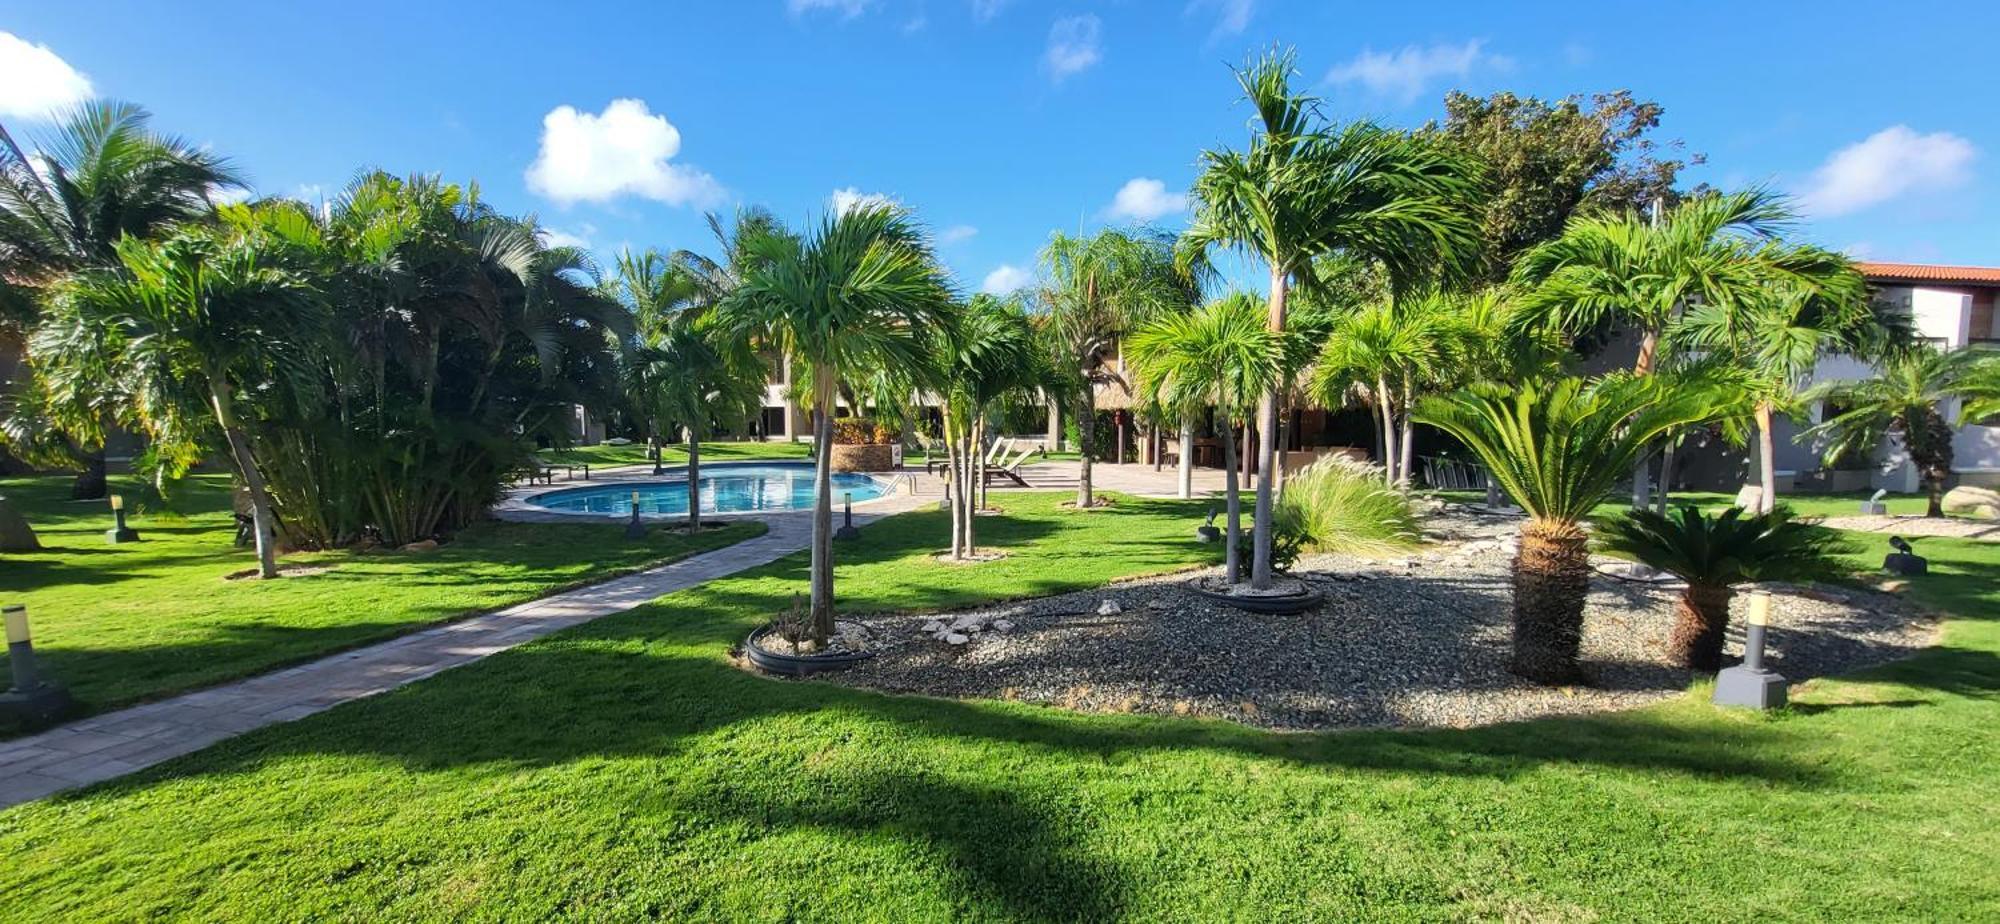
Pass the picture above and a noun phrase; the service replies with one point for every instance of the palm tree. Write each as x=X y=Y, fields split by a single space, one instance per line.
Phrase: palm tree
x=191 y=325
x=1093 y=290
x=1643 y=272
x=1302 y=190
x=1713 y=554
x=685 y=366
x=1812 y=303
x=1906 y=402
x=986 y=351
x=1220 y=355
x=860 y=290
x=1557 y=449
x=99 y=175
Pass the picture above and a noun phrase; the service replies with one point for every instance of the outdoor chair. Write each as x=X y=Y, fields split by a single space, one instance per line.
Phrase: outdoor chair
x=1012 y=470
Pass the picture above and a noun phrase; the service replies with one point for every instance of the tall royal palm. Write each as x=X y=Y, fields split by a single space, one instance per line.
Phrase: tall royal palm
x=1557 y=449
x=1220 y=355
x=194 y=327
x=1094 y=289
x=98 y=175
x=1303 y=189
x=859 y=290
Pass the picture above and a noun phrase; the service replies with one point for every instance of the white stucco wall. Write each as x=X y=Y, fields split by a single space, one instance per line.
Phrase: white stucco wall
x=1942 y=315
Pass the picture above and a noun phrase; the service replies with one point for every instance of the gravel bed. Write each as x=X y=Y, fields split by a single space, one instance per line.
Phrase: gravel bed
x=1420 y=640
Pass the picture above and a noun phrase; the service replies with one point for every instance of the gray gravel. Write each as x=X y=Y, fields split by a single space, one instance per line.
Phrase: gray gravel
x=1412 y=641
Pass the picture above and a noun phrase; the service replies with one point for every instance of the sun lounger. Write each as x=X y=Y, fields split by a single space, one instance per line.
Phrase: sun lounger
x=1012 y=470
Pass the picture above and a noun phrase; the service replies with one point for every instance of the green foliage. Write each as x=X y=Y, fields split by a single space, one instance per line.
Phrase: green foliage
x=1558 y=447
x=1726 y=548
x=861 y=431
x=1338 y=505
x=1905 y=402
x=1220 y=355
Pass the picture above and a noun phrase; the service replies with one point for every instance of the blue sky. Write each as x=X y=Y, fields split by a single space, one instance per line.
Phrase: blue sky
x=1001 y=120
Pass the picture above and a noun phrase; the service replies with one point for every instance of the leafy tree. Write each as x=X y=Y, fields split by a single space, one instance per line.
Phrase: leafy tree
x=1557 y=448
x=1093 y=290
x=1220 y=355
x=192 y=325
x=1302 y=190
x=1906 y=403
x=100 y=174
x=860 y=290
x=1547 y=160
x=1713 y=554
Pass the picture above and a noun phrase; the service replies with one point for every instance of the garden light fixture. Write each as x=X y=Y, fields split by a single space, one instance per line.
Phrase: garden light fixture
x=119 y=532
x=1749 y=684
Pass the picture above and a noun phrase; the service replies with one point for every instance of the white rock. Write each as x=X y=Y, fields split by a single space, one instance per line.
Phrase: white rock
x=1109 y=608
x=964 y=623
x=956 y=638
x=1971 y=500
x=935 y=625
x=1003 y=625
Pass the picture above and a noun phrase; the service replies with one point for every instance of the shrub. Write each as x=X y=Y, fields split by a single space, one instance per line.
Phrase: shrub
x=1339 y=505
x=860 y=431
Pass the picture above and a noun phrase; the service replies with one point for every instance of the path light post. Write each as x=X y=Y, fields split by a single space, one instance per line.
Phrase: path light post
x=32 y=699
x=119 y=532
x=635 y=528
x=1749 y=684
x=847 y=530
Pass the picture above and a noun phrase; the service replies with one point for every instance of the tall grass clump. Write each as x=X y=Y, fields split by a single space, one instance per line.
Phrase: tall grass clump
x=1339 y=505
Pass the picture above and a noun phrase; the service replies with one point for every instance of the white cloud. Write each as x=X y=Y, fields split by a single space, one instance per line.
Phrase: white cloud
x=1073 y=46
x=1006 y=278
x=227 y=195
x=35 y=82
x=984 y=10
x=556 y=237
x=848 y=9
x=956 y=233
x=1892 y=162
x=1231 y=16
x=1404 y=75
x=623 y=151
x=848 y=199
x=1144 y=199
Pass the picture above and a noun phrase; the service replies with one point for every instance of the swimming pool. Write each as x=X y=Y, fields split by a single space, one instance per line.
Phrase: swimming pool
x=724 y=488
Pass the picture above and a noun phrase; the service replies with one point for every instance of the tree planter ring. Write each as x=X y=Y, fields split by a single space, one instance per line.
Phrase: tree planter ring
x=1271 y=604
x=798 y=665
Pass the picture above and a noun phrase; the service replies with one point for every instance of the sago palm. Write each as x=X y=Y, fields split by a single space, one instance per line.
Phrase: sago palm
x=1220 y=355
x=1713 y=554
x=1557 y=449
x=858 y=291
x=1906 y=402
x=1303 y=189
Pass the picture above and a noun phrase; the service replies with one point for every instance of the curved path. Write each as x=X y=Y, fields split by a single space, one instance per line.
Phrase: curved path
x=116 y=743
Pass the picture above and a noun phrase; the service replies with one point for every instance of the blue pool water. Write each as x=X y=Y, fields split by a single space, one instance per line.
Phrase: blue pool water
x=724 y=489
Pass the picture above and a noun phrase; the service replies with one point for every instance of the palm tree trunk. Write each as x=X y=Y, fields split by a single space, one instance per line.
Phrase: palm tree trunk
x=1701 y=620
x=1186 y=467
x=951 y=490
x=1086 y=430
x=15 y=533
x=1389 y=453
x=978 y=477
x=1232 y=498
x=975 y=487
x=1767 y=464
x=1649 y=351
x=694 y=482
x=822 y=534
x=1267 y=451
x=1408 y=452
x=1551 y=580
x=262 y=517
x=1667 y=450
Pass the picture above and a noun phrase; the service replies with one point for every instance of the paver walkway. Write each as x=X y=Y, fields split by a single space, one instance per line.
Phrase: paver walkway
x=116 y=743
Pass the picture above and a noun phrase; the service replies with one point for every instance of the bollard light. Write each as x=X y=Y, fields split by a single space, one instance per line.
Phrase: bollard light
x=635 y=528
x=847 y=530
x=32 y=699
x=1750 y=684
x=119 y=532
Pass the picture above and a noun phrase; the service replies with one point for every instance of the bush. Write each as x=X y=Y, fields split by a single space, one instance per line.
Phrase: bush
x=1338 y=505
x=860 y=431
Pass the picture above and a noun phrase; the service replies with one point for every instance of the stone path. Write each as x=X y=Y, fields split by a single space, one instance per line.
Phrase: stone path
x=116 y=743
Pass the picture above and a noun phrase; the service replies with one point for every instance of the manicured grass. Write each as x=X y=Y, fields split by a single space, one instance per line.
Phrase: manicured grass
x=625 y=770
x=721 y=451
x=118 y=623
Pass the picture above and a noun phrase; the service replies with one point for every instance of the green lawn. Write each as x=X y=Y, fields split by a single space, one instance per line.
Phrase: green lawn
x=625 y=770
x=119 y=623
x=608 y=455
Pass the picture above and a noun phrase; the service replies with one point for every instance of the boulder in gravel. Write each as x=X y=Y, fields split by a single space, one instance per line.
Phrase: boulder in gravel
x=956 y=638
x=1003 y=625
x=1109 y=608
x=935 y=625
x=1973 y=501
